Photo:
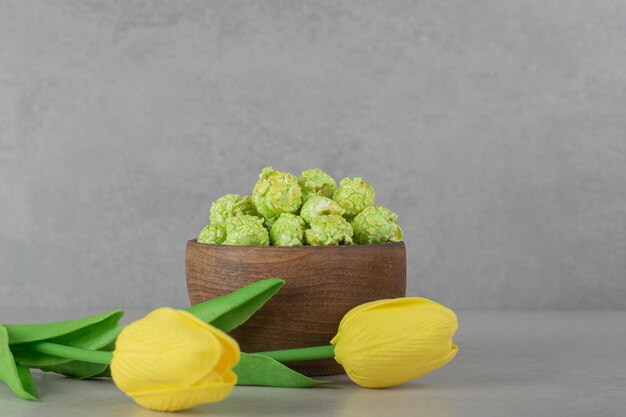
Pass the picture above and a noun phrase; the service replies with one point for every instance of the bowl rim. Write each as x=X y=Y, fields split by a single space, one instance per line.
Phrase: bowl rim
x=389 y=245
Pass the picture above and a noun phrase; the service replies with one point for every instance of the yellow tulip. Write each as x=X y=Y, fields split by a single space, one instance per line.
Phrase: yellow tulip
x=170 y=360
x=389 y=342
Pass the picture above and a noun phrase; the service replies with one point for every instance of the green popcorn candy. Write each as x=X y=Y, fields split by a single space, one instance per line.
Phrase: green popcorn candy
x=246 y=230
x=287 y=230
x=245 y=206
x=316 y=182
x=212 y=234
x=232 y=205
x=223 y=208
x=331 y=230
x=354 y=195
x=376 y=224
x=317 y=205
x=275 y=193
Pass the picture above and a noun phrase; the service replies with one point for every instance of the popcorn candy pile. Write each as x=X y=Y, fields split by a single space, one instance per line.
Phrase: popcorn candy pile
x=285 y=210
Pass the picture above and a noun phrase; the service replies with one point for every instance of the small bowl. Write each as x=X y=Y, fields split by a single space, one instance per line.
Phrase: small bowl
x=322 y=284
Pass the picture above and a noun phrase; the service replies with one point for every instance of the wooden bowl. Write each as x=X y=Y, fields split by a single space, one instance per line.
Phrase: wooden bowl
x=322 y=284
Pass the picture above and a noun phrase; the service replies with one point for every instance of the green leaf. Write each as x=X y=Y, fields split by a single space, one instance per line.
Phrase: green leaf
x=28 y=333
x=104 y=374
x=16 y=376
x=76 y=369
x=91 y=333
x=255 y=369
x=231 y=310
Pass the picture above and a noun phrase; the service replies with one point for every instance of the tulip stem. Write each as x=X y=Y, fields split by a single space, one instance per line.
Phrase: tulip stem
x=102 y=357
x=301 y=354
x=70 y=352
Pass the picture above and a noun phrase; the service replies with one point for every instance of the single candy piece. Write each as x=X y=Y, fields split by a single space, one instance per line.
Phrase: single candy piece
x=275 y=193
x=316 y=182
x=287 y=230
x=317 y=205
x=331 y=230
x=354 y=195
x=229 y=206
x=245 y=206
x=212 y=234
x=246 y=230
x=376 y=224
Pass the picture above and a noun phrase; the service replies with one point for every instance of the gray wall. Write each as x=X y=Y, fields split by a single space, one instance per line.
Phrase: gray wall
x=496 y=130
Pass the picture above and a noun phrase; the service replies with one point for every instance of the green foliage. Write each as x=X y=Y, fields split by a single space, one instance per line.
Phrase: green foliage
x=16 y=376
x=99 y=332
x=92 y=333
x=261 y=370
x=231 y=310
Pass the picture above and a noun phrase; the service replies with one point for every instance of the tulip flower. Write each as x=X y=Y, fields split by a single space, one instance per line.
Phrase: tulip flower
x=170 y=360
x=387 y=342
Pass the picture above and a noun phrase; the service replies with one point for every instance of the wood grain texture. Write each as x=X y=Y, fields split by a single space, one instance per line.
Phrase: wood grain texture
x=322 y=284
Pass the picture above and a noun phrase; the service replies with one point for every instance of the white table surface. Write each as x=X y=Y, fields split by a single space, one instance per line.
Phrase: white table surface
x=510 y=364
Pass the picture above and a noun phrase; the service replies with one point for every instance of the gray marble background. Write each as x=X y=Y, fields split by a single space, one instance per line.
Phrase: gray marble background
x=495 y=129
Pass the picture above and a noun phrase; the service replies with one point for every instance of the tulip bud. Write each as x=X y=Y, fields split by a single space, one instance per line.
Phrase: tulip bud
x=170 y=360
x=389 y=342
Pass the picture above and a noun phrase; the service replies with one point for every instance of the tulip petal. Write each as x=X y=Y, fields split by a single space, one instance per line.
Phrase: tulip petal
x=230 y=354
x=164 y=348
x=183 y=398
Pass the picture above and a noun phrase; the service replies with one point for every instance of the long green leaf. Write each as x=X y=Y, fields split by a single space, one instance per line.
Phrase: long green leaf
x=76 y=369
x=92 y=333
x=28 y=333
x=260 y=370
x=229 y=311
x=17 y=377
x=106 y=373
